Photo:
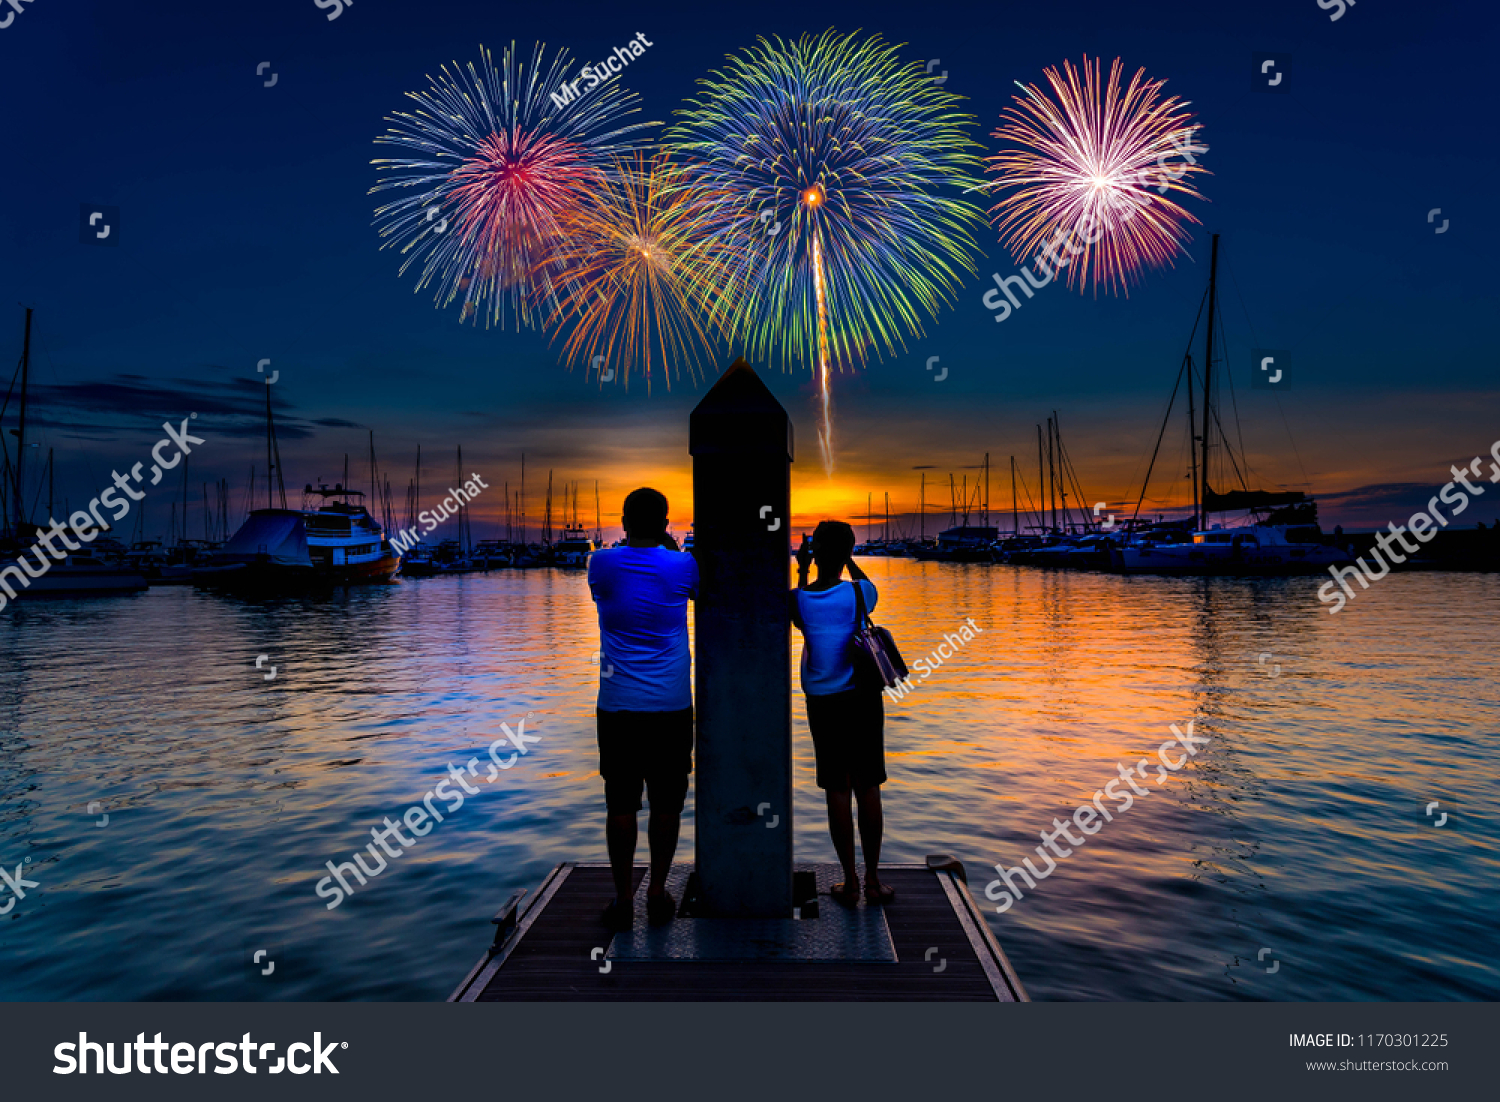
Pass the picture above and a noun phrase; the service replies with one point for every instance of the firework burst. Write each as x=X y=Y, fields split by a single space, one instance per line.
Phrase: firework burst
x=830 y=156
x=496 y=165
x=646 y=288
x=1101 y=157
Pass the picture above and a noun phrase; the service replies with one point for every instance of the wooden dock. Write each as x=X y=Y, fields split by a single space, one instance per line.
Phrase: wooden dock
x=555 y=947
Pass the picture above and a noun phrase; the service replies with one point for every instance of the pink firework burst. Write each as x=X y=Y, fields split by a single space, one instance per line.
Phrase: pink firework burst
x=499 y=156
x=1101 y=163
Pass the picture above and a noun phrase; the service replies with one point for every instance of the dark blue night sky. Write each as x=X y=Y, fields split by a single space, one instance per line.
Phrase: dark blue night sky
x=246 y=233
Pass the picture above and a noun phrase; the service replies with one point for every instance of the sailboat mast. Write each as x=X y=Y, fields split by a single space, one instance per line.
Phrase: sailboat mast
x=986 y=521
x=268 y=448
x=1062 y=468
x=1041 y=478
x=547 y=513
x=1052 y=476
x=922 y=510
x=1208 y=371
x=1015 y=516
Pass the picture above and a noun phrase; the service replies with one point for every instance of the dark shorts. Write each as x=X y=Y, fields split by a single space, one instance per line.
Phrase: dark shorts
x=654 y=749
x=848 y=733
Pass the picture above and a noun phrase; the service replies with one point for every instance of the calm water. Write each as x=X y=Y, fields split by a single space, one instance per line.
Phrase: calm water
x=1299 y=828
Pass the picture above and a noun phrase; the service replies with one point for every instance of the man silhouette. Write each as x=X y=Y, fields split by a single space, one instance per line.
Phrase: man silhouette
x=645 y=708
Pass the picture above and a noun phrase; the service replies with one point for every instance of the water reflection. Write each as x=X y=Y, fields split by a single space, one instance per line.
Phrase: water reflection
x=1299 y=828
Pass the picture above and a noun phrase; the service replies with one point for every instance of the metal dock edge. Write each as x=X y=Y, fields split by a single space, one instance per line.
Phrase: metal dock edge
x=992 y=958
x=480 y=975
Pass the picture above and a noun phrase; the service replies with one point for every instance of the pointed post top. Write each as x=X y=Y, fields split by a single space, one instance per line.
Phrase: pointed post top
x=740 y=414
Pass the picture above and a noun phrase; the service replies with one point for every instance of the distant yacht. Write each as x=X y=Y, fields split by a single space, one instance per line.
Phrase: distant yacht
x=963 y=543
x=285 y=550
x=574 y=548
x=83 y=576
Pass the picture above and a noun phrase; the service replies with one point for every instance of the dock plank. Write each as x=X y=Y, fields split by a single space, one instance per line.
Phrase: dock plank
x=551 y=962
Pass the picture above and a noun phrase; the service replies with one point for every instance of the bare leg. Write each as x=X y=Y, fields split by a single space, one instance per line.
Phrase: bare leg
x=871 y=830
x=619 y=836
x=661 y=831
x=841 y=828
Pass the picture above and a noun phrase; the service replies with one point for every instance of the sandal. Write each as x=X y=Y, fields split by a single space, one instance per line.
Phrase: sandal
x=846 y=893
x=879 y=894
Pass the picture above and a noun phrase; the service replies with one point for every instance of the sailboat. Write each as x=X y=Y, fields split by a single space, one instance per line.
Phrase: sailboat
x=964 y=542
x=72 y=569
x=1282 y=535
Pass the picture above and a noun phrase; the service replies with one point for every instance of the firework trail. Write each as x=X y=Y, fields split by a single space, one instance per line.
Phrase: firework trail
x=829 y=154
x=496 y=163
x=645 y=285
x=1100 y=157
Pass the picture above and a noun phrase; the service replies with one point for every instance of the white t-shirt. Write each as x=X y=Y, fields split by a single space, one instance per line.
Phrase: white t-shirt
x=827 y=629
x=642 y=594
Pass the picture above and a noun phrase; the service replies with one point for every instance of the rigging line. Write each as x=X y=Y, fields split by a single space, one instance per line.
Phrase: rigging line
x=1069 y=471
x=1025 y=489
x=12 y=390
x=1230 y=452
x=1166 y=418
x=4 y=443
x=1306 y=335
x=1235 y=405
x=1184 y=453
x=1233 y=399
x=1250 y=325
x=1279 y=408
x=1187 y=361
x=56 y=378
x=36 y=498
x=1293 y=441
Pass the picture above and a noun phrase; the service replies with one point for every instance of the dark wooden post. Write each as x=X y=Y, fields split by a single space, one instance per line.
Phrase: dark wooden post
x=741 y=443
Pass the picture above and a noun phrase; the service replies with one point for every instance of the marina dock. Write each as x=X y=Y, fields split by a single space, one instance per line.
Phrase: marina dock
x=930 y=945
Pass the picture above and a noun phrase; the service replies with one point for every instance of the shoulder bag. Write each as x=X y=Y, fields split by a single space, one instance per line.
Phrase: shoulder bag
x=877 y=663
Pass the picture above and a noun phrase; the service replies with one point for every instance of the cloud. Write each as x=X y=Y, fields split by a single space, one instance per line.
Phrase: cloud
x=1380 y=503
x=124 y=402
